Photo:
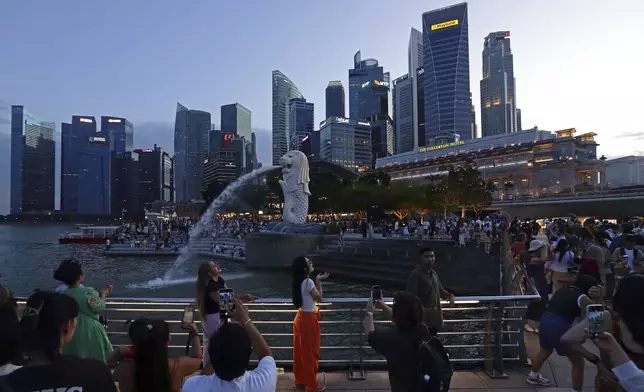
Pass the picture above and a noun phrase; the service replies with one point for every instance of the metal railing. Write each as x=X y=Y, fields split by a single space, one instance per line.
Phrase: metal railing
x=477 y=330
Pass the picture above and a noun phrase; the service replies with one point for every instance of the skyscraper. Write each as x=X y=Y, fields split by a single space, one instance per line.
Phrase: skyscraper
x=122 y=133
x=374 y=108
x=32 y=163
x=420 y=106
x=364 y=71
x=519 y=120
x=300 y=121
x=403 y=114
x=283 y=91
x=236 y=119
x=346 y=142
x=86 y=168
x=447 y=72
x=155 y=177
x=335 y=99
x=191 y=143
x=415 y=61
x=498 y=97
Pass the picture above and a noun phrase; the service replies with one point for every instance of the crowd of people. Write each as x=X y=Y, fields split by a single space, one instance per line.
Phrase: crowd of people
x=59 y=342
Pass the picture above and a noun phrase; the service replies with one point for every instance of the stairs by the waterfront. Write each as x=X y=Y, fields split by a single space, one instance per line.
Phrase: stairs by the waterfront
x=201 y=246
x=388 y=262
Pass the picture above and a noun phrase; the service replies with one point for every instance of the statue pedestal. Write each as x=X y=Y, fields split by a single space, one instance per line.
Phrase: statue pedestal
x=277 y=250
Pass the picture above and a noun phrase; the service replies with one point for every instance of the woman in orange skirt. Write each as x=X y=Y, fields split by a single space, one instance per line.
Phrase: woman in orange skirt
x=306 y=326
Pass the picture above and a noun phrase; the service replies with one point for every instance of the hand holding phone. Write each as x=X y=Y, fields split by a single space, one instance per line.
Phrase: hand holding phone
x=596 y=322
x=226 y=301
x=376 y=293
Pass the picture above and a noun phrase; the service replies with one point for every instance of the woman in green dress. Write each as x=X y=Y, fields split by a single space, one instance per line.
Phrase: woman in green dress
x=90 y=339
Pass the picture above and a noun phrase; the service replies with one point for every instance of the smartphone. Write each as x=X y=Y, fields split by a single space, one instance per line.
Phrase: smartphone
x=376 y=293
x=226 y=298
x=188 y=316
x=595 y=320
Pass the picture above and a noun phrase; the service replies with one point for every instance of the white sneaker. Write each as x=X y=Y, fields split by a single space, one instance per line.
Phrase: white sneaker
x=537 y=379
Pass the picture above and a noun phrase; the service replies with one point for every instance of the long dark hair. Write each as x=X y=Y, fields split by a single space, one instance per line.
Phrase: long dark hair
x=561 y=248
x=43 y=320
x=299 y=272
x=628 y=304
x=407 y=312
x=150 y=339
x=203 y=277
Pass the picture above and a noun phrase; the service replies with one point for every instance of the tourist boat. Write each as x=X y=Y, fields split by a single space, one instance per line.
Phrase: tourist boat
x=89 y=235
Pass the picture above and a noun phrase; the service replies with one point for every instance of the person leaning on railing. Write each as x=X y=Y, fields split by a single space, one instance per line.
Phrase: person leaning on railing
x=230 y=351
x=145 y=366
x=49 y=322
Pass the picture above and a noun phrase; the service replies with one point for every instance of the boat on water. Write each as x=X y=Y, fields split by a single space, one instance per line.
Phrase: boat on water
x=89 y=235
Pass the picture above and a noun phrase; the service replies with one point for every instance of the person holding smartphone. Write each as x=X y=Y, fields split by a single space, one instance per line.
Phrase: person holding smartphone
x=625 y=325
x=90 y=339
x=565 y=306
x=306 y=326
x=209 y=282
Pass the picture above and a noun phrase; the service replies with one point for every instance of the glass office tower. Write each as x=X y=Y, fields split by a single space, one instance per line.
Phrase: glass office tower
x=300 y=121
x=364 y=71
x=191 y=144
x=447 y=72
x=334 y=99
x=498 y=96
x=122 y=133
x=236 y=119
x=283 y=91
x=32 y=163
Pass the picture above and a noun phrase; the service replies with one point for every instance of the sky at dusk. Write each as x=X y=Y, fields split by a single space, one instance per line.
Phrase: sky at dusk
x=577 y=63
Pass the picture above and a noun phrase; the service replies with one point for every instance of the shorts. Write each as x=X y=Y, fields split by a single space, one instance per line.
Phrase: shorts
x=551 y=328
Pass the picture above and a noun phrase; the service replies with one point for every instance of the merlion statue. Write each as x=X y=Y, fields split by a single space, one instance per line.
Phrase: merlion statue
x=295 y=186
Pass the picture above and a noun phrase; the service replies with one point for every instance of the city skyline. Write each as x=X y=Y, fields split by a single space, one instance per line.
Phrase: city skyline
x=559 y=78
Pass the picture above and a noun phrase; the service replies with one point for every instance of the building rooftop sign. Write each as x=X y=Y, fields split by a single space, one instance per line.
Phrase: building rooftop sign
x=444 y=25
x=86 y=120
x=440 y=146
x=114 y=120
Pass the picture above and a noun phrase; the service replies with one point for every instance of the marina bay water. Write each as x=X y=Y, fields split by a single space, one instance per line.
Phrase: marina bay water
x=29 y=254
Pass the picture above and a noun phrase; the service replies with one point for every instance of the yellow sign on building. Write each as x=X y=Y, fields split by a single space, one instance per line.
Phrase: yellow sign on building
x=443 y=25
x=440 y=146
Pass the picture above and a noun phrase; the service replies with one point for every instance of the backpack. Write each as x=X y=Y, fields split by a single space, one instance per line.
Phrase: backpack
x=435 y=371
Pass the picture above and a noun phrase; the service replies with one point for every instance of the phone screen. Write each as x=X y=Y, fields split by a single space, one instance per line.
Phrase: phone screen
x=595 y=320
x=226 y=298
x=188 y=316
x=376 y=293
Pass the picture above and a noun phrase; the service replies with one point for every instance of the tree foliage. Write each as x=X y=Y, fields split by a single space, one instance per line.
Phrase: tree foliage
x=460 y=188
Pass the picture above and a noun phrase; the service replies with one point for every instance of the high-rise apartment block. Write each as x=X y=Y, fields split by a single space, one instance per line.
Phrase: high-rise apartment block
x=191 y=144
x=335 y=99
x=498 y=96
x=301 y=116
x=283 y=91
x=32 y=163
x=447 y=72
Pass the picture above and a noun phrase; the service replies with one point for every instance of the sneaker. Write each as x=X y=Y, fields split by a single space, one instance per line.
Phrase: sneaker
x=537 y=379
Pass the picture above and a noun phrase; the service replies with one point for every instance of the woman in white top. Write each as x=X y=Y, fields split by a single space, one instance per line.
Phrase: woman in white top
x=563 y=258
x=306 y=326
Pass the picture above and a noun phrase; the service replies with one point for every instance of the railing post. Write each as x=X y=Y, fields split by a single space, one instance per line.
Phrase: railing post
x=356 y=370
x=493 y=363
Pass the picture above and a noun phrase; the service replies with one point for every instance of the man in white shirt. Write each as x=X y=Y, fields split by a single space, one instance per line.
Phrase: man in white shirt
x=230 y=349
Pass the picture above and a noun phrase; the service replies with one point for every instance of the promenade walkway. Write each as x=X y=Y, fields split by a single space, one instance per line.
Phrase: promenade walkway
x=557 y=370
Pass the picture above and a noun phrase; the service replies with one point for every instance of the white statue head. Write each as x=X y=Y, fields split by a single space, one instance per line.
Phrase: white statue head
x=295 y=171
